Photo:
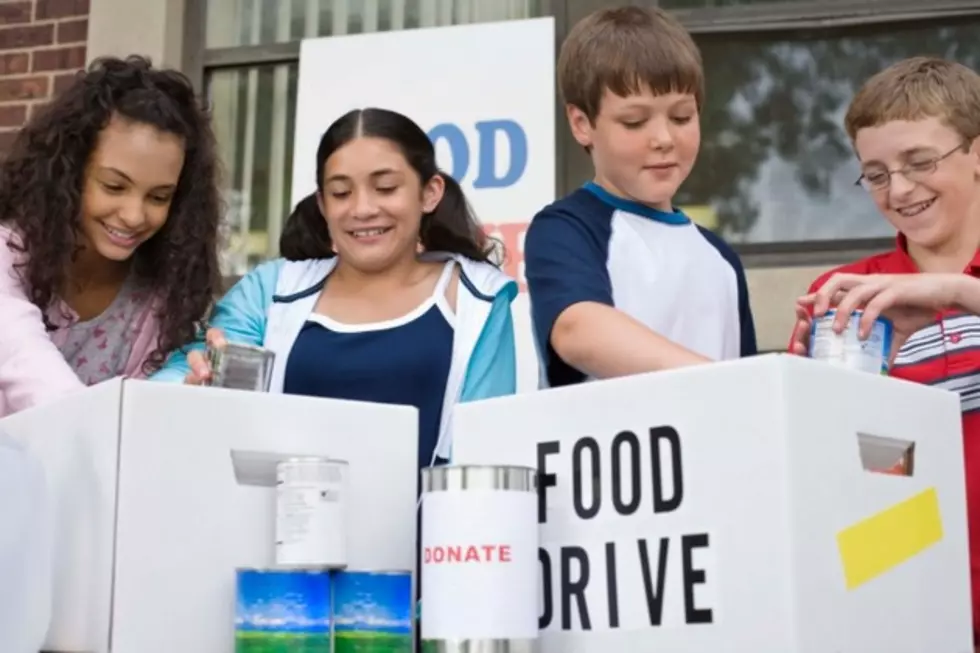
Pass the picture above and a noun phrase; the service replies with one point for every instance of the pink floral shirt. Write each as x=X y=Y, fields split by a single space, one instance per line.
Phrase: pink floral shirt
x=99 y=349
x=33 y=368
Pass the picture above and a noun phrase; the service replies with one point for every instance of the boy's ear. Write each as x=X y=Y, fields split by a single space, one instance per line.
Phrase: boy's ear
x=975 y=153
x=580 y=125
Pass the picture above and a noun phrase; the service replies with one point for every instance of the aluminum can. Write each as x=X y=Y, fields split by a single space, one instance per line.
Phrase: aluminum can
x=479 y=532
x=373 y=612
x=282 y=610
x=846 y=349
x=241 y=367
x=311 y=513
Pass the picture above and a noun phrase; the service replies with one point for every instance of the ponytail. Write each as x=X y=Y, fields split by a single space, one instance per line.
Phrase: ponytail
x=452 y=227
x=305 y=235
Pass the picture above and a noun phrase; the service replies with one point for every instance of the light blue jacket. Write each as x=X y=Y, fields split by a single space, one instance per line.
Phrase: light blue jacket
x=270 y=304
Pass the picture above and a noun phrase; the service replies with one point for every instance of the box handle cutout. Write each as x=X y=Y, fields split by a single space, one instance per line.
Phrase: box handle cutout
x=883 y=455
x=258 y=468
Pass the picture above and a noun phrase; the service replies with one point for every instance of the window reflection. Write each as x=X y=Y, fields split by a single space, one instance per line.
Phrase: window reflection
x=254 y=119
x=233 y=23
x=775 y=162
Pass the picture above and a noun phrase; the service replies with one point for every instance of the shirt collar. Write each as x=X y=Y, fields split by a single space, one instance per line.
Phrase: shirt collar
x=908 y=265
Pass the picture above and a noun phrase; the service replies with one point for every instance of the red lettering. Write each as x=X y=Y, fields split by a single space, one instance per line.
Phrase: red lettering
x=512 y=237
x=468 y=553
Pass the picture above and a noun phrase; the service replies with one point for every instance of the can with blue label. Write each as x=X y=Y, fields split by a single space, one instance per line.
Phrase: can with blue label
x=847 y=349
x=282 y=611
x=373 y=612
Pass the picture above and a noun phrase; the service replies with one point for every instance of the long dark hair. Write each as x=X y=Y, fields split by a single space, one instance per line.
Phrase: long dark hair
x=450 y=227
x=42 y=177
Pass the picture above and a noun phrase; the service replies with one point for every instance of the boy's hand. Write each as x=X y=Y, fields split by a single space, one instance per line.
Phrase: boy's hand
x=911 y=301
x=800 y=343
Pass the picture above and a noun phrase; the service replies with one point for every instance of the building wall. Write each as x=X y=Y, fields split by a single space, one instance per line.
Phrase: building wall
x=42 y=46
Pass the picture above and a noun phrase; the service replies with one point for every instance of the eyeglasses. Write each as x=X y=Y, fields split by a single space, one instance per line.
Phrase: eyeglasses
x=916 y=171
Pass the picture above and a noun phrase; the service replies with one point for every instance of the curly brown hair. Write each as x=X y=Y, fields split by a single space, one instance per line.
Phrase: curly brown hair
x=42 y=177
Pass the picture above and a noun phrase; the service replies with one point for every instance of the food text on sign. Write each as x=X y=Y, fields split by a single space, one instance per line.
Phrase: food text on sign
x=633 y=477
x=490 y=134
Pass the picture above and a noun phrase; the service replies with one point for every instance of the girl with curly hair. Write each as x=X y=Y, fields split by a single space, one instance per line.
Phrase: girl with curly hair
x=109 y=214
x=386 y=292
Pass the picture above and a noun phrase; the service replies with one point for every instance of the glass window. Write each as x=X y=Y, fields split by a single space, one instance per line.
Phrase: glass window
x=775 y=162
x=254 y=107
x=233 y=23
x=705 y=4
x=254 y=112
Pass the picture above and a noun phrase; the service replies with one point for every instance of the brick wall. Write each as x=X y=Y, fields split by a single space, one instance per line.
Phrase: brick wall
x=42 y=46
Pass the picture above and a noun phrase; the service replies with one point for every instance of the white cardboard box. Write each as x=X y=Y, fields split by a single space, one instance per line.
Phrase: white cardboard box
x=776 y=538
x=153 y=516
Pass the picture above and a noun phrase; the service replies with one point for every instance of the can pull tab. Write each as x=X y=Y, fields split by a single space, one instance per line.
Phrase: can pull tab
x=885 y=455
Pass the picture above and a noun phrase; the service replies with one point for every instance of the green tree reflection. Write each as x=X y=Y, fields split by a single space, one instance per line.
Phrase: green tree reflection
x=782 y=98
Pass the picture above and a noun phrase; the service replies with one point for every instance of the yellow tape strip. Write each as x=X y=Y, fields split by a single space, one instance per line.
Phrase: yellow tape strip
x=880 y=543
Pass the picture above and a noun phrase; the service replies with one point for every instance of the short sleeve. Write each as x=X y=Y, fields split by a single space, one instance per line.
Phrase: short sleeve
x=565 y=257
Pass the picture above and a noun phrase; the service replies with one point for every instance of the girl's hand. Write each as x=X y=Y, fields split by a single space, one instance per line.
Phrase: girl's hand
x=198 y=360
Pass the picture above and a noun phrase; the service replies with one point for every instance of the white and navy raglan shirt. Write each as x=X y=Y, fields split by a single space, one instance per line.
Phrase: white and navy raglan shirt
x=679 y=279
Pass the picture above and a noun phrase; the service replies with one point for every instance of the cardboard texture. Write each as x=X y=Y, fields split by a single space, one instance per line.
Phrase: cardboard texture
x=161 y=491
x=731 y=507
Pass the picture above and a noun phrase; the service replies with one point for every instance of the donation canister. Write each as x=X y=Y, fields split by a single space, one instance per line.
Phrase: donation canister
x=479 y=580
x=311 y=513
x=846 y=349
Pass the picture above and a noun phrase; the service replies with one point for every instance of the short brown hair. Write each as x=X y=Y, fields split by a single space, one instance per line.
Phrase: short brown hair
x=917 y=88
x=624 y=49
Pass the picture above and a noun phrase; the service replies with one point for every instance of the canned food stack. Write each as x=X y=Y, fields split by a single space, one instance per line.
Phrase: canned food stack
x=479 y=577
x=848 y=349
x=308 y=601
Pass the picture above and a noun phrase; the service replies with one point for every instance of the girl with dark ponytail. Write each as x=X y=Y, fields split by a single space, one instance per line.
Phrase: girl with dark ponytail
x=386 y=290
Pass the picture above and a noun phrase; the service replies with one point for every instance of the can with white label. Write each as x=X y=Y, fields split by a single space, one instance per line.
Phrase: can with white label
x=311 y=513
x=479 y=532
x=847 y=349
x=241 y=367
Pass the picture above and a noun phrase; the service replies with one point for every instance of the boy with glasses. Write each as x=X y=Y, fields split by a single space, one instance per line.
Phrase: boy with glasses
x=915 y=127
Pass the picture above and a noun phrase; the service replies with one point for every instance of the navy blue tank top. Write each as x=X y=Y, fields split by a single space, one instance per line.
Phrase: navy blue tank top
x=401 y=361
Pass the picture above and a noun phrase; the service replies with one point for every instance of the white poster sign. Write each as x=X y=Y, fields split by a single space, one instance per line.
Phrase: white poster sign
x=484 y=93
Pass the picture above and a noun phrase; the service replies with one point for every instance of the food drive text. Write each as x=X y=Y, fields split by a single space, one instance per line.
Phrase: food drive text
x=635 y=475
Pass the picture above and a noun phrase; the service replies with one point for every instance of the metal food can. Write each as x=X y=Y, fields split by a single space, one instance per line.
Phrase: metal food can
x=311 y=513
x=241 y=367
x=282 y=610
x=479 y=532
x=848 y=350
x=372 y=612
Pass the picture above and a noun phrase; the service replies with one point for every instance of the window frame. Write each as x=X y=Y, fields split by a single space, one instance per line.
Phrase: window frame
x=199 y=61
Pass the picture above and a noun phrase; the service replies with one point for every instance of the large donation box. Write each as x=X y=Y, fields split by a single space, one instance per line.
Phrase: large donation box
x=773 y=504
x=160 y=492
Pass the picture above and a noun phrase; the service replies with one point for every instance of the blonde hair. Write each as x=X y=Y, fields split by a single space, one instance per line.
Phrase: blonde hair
x=918 y=88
